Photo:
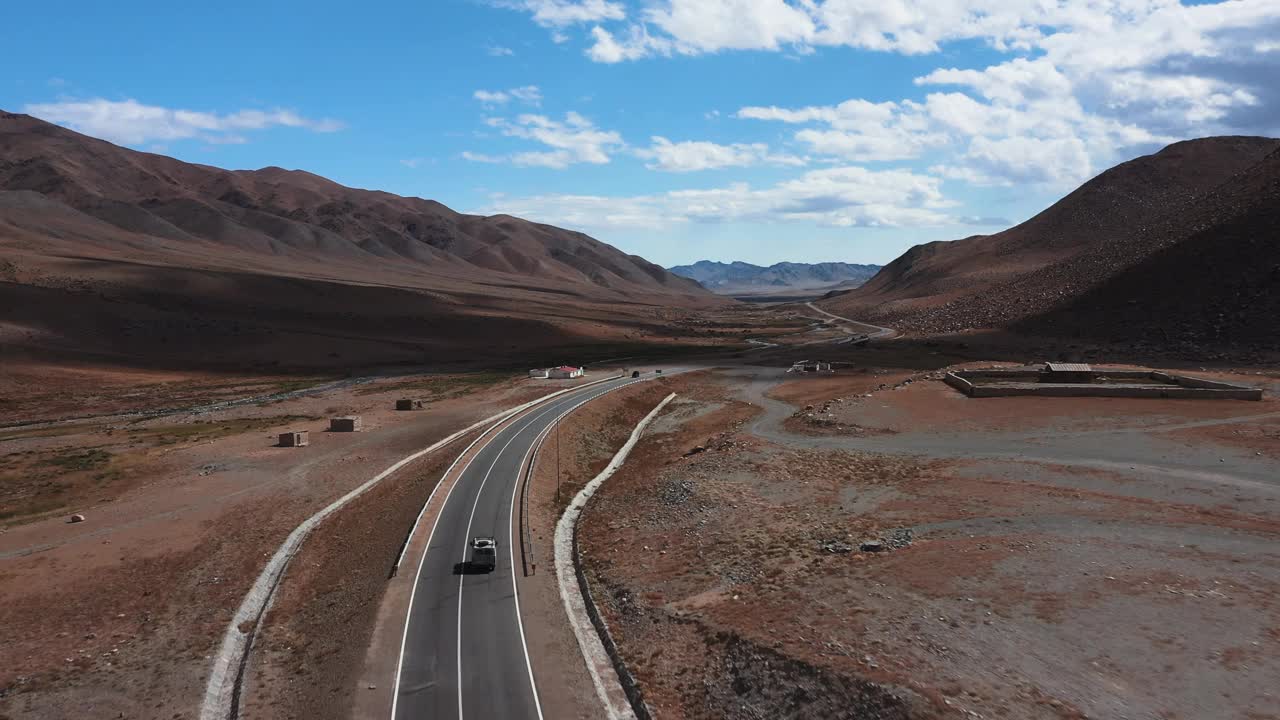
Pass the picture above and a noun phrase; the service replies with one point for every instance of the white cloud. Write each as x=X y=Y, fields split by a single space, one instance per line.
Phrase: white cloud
x=129 y=122
x=1105 y=73
x=562 y=13
x=636 y=44
x=839 y=197
x=699 y=26
x=1019 y=130
x=529 y=94
x=691 y=156
x=573 y=140
x=499 y=51
x=1127 y=29
x=491 y=97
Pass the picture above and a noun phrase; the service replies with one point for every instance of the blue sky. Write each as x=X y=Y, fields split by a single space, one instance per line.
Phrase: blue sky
x=758 y=130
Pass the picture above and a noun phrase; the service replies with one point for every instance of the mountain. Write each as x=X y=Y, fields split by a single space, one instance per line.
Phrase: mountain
x=1119 y=238
x=279 y=213
x=103 y=250
x=740 y=278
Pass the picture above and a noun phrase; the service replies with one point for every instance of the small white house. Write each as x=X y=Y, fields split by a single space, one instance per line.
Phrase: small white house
x=564 y=372
x=539 y=373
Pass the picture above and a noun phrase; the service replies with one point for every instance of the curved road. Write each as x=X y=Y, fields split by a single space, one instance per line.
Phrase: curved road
x=464 y=652
x=880 y=332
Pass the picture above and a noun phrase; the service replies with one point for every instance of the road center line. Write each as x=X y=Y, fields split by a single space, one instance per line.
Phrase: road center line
x=467 y=544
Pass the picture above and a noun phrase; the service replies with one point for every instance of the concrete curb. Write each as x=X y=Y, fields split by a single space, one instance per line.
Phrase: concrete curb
x=598 y=648
x=222 y=693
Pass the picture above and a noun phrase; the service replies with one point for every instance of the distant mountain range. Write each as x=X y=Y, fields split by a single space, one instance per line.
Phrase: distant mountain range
x=740 y=278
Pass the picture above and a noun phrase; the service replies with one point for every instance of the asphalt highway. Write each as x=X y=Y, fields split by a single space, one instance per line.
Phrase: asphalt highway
x=464 y=651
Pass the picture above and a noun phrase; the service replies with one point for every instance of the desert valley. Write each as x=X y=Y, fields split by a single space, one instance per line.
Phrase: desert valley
x=276 y=447
x=811 y=519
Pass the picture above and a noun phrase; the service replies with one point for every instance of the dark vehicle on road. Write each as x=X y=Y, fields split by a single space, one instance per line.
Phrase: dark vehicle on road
x=484 y=554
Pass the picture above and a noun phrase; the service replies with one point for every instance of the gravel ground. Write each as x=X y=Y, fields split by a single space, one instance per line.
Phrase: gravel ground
x=971 y=559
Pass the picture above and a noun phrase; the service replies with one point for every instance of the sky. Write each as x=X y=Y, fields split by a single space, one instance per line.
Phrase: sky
x=679 y=130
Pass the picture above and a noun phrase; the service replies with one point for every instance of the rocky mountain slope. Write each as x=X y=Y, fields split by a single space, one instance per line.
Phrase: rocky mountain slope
x=277 y=212
x=740 y=278
x=1111 y=241
x=116 y=255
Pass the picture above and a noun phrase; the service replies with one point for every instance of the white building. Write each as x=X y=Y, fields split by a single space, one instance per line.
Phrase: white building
x=564 y=372
x=538 y=373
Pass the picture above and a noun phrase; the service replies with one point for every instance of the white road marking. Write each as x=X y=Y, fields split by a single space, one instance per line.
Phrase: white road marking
x=422 y=561
x=498 y=421
x=466 y=545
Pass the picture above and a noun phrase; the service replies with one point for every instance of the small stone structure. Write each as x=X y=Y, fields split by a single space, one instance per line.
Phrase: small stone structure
x=350 y=423
x=409 y=404
x=538 y=373
x=295 y=438
x=1073 y=381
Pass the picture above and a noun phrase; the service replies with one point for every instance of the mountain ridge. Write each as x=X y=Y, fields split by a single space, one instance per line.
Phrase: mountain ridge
x=111 y=256
x=274 y=211
x=740 y=277
x=1034 y=276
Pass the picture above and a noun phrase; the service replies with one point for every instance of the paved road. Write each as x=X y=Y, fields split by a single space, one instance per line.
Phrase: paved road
x=464 y=652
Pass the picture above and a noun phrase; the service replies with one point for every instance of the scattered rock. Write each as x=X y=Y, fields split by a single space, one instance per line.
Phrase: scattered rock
x=77 y=518
x=872 y=546
x=838 y=547
x=899 y=538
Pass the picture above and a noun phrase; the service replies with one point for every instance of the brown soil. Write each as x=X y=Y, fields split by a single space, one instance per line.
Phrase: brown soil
x=1005 y=588
x=301 y=668
x=121 y=613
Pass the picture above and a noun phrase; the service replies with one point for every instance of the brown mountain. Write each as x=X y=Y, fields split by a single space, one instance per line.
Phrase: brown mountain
x=109 y=252
x=1112 y=232
x=294 y=214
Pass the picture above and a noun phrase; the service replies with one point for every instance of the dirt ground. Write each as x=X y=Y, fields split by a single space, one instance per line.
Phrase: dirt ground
x=121 y=613
x=1042 y=559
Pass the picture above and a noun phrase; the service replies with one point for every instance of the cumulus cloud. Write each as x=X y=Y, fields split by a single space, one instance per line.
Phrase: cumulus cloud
x=1012 y=128
x=691 y=156
x=130 y=122
x=839 y=196
x=499 y=51
x=571 y=141
x=1115 y=76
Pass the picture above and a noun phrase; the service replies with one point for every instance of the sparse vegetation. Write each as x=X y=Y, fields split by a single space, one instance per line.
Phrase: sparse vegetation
x=439 y=387
x=203 y=431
